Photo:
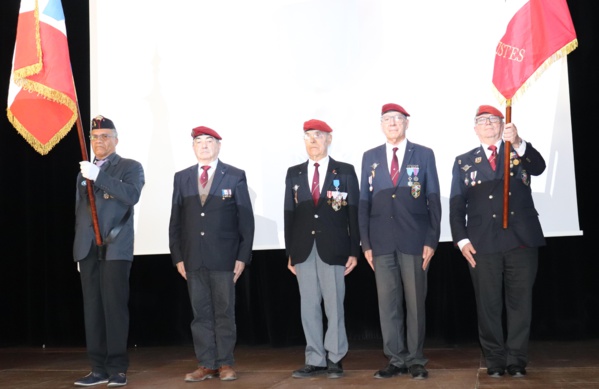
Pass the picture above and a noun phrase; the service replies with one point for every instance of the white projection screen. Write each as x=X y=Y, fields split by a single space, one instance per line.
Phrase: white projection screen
x=255 y=70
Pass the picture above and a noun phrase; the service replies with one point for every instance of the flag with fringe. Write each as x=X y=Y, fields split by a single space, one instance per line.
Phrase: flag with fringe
x=540 y=33
x=42 y=103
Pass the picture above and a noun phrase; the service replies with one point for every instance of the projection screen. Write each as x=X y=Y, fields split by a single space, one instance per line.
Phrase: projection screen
x=256 y=70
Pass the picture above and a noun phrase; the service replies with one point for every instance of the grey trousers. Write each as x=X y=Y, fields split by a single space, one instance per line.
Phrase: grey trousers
x=320 y=282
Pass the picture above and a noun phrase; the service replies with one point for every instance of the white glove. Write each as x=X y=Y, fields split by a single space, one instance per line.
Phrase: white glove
x=89 y=170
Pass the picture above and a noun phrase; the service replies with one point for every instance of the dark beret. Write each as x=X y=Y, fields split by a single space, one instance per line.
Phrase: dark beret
x=100 y=122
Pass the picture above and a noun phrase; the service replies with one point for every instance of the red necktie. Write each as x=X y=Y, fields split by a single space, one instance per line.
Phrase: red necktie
x=316 y=185
x=204 y=176
x=493 y=157
x=394 y=167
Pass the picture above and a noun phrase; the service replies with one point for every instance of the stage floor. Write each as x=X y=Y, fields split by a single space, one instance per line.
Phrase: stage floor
x=552 y=365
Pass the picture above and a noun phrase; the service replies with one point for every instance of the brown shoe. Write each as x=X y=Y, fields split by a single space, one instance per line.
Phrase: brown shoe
x=227 y=373
x=201 y=374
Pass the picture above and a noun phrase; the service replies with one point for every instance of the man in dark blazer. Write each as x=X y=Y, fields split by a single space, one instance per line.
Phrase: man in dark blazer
x=117 y=184
x=400 y=222
x=503 y=261
x=211 y=234
x=322 y=245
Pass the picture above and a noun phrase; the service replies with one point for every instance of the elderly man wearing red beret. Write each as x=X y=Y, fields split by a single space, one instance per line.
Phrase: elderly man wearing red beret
x=503 y=261
x=322 y=245
x=211 y=234
x=400 y=225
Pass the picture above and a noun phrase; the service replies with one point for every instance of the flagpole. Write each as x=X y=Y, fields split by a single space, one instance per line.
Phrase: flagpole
x=506 y=166
x=90 y=184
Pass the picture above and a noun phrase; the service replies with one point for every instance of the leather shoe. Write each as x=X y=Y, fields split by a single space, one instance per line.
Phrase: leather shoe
x=495 y=372
x=309 y=371
x=418 y=371
x=334 y=369
x=390 y=371
x=227 y=373
x=200 y=374
x=516 y=371
x=92 y=379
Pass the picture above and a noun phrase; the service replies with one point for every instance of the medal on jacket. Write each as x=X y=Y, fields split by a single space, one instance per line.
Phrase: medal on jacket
x=295 y=188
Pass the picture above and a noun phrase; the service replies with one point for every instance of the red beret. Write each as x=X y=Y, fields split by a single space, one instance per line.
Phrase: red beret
x=394 y=107
x=201 y=130
x=100 y=122
x=318 y=125
x=488 y=109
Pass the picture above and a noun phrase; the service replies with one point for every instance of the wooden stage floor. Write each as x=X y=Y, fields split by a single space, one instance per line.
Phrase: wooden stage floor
x=552 y=365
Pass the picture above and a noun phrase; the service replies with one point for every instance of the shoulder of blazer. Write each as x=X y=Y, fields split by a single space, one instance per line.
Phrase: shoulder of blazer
x=225 y=168
x=297 y=169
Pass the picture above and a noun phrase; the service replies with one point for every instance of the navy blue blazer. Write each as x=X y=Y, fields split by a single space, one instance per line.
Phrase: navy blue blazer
x=218 y=233
x=476 y=201
x=334 y=228
x=405 y=217
x=116 y=190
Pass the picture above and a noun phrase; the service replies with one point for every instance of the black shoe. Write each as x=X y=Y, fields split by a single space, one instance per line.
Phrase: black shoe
x=418 y=371
x=390 y=371
x=309 y=371
x=115 y=380
x=495 y=372
x=516 y=371
x=334 y=370
x=92 y=379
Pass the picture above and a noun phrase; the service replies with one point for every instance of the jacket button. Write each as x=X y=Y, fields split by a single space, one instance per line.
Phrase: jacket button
x=313 y=232
x=315 y=216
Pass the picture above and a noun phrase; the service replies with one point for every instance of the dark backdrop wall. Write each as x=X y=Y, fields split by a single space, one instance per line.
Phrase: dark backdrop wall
x=40 y=296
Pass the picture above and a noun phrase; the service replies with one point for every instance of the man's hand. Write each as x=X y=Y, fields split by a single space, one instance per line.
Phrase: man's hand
x=89 y=170
x=351 y=263
x=510 y=134
x=181 y=269
x=368 y=255
x=468 y=252
x=290 y=267
x=427 y=255
x=239 y=266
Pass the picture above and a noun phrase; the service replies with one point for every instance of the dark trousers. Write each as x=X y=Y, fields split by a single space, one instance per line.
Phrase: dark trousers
x=105 y=286
x=212 y=295
x=509 y=275
x=400 y=281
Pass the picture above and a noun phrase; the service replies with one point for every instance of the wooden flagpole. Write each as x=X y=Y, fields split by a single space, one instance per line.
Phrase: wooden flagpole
x=506 y=167
x=90 y=183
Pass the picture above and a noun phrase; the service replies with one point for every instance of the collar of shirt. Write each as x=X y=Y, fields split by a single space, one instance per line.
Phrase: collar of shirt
x=486 y=148
x=322 y=170
x=210 y=171
x=401 y=151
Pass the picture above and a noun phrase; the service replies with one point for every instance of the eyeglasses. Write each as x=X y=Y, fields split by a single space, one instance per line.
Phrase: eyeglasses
x=316 y=135
x=101 y=137
x=397 y=118
x=483 y=119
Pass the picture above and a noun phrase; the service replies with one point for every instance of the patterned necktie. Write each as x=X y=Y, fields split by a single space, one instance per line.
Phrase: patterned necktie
x=394 y=167
x=315 y=184
x=204 y=176
x=493 y=157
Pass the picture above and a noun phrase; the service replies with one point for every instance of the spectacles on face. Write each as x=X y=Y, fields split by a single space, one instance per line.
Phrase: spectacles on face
x=316 y=135
x=483 y=119
x=102 y=137
x=397 y=118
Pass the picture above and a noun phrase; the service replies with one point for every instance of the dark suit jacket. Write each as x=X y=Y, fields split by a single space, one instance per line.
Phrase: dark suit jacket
x=404 y=217
x=336 y=232
x=218 y=233
x=476 y=201
x=116 y=189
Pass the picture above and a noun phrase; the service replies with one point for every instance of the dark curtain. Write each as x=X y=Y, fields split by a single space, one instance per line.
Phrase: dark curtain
x=40 y=296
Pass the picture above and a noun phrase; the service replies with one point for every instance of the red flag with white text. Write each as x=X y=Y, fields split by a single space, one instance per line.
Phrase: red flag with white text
x=540 y=33
x=42 y=103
